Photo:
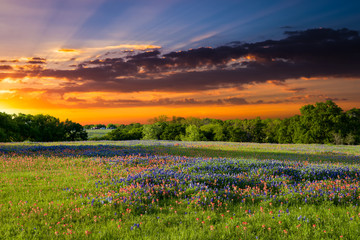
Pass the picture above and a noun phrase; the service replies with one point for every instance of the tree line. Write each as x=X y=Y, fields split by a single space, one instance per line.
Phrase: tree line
x=38 y=128
x=100 y=126
x=323 y=122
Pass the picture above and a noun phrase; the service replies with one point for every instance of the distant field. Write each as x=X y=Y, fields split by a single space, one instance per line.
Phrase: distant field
x=178 y=190
x=97 y=132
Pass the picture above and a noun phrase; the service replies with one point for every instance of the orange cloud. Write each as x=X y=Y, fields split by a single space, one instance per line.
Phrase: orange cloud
x=68 y=50
x=133 y=46
x=121 y=46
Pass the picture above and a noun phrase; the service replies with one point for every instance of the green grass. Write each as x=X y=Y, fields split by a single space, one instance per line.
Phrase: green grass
x=47 y=197
x=97 y=133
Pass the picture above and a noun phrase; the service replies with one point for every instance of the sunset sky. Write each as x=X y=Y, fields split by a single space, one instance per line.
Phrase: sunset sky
x=122 y=61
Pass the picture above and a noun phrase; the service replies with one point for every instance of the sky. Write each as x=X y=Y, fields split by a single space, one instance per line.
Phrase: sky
x=123 y=61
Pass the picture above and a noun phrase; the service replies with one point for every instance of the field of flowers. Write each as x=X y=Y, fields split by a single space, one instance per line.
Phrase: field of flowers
x=179 y=190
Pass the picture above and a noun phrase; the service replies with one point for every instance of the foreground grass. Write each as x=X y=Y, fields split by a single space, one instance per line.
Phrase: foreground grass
x=74 y=192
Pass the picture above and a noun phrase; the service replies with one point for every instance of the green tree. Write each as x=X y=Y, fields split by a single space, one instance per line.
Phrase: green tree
x=132 y=131
x=135 y=133
x=8 y=128
x=39 y=128
x=152 y=131
x=117 y=134
x=234 y=132
x=74 y=131
x=319 y=122
x=179 y=120
x=193 y=133
x=111 y=126
x=255 y=130
x=173 y=131
x=213 y=132
x=207 y=131
x=270 y=129
x=45 y=128
x=352 y=126
x=193 y=121
x=219 y=132
x=159 y=119
x=286 y=130
x=24 y=125
x=100 y=125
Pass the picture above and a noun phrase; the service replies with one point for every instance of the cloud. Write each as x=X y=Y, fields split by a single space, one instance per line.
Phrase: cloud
x=115 y=103
x=5 y=67
x=146 y=54
x=236 y=101
x=100 y=102
x=68 y=50
x=75 y=100
x=336 y=99
x=296 y=90
x=16 y=75
x=9 y=61
x=300 y=54
x=317 y=97
x=206 y=56
x=37 y=60
x=133 y=46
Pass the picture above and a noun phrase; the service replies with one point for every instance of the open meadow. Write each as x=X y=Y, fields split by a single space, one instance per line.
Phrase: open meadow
x=97 y=133
x=178 y=190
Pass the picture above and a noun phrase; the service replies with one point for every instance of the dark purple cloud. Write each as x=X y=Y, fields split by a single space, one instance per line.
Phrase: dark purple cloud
x=100 y=102
x=296 y=89
x=9 y=61
x=12 y=75
x=5 y=67
x=232 y=101
x=236 y=101
x=336 y=99
x=309 y=53
x=146 y=54
x=37 y=60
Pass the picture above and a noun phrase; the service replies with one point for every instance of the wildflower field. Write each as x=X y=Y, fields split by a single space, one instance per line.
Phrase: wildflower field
x=178 y=190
